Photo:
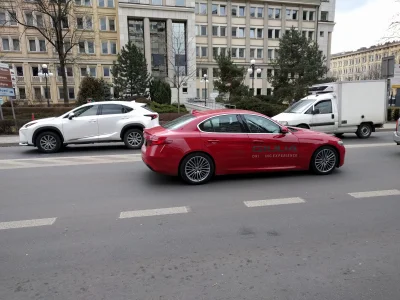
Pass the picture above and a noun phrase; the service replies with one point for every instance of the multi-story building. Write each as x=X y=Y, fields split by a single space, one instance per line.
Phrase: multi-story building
x=26 y=50
x=251 y=30
x=365 y=63
x=179 y=38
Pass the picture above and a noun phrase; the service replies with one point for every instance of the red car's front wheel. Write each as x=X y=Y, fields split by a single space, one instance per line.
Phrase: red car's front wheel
x=324 y=161
x=197 y=168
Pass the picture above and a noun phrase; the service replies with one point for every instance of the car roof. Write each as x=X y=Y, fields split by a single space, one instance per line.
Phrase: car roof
x=214 y=112
x=127 y=103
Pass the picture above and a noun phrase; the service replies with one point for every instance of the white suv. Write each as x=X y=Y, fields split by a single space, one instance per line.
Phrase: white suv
x=98 y=122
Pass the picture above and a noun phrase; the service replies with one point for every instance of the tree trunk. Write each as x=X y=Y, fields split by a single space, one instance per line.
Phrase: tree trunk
x=64 y=81
x=179 y=101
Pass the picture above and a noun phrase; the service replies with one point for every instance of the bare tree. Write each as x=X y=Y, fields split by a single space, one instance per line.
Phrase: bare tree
x=57 y=22
x=374 y=73
x=181 y=59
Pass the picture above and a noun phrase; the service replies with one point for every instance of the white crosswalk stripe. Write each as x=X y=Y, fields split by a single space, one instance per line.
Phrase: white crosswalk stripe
x=270 y=202
x=27 y=223
x=371 y=194
x=154 y=212
x=66 y=161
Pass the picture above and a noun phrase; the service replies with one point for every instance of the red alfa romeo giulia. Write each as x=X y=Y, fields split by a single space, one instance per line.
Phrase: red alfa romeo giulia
x=199 y=145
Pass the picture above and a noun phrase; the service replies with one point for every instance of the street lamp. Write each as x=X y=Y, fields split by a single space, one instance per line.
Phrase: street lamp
x=45 y=73
x=252 y=70
x=205 y=88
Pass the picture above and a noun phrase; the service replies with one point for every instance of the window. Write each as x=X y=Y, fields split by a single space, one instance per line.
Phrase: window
x=292 y=14
x=22 y=93
x=106 y=71
x=20 y=71
x=222 y=10
x=37 y=92
x=226 y=123
x=258 y=91
x=3 y=20
x=113 y=47
x=215 y=72
x=260 y=12
x=86 y=111
x=277 y=13
x=39 y=21
x=180 y=2
x=103 y=24
x=215 y=9
x=260 y=53
x=321 y=34
x=311 y=16
x=105 y=3
x=114 y=109
x=71 y=95
x=270 y=54
x=325 y=107
x=6 y=44
x=324 y=16
x=274 y=33
x=215 y=51
x=156 y=2
x=269 y=91
x=29 y=18
x=201 y=8
x=83 y=2
x=259 y=33
x=215 y=30
x=204 y=51
x=259 y=75
x=253 y=12
x=185 y=90
x=90 y=46
x=242 y=11
x=311 y=35
x=238 y=32
x=32 y=45
x=252 y=33
x=222 y=31
x=256 y=12
x=234 y=10
x=241 y=52
x=259 y=124
x=201 y=30
x=104 y=47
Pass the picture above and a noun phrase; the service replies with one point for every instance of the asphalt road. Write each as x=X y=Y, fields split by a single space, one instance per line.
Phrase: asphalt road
x=95 y=235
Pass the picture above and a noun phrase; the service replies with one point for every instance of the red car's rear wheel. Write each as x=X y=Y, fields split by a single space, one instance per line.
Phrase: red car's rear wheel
x=197 y=168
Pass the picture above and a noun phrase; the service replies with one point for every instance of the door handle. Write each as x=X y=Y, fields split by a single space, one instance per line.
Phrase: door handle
x=258 y=141
x=213 y=141
x=93 y=121
x=333 y=116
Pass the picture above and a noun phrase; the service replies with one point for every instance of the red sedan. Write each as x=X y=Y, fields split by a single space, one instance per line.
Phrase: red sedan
x=199 y=145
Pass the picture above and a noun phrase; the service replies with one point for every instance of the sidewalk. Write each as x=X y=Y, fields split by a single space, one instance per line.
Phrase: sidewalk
x=13 y=140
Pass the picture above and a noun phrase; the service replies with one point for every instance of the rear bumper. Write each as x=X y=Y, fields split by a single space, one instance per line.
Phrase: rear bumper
x=157 y=162
x=396 y=137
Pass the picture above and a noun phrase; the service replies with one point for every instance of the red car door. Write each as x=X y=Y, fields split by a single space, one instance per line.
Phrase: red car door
x=270 y=148
x=225 y=139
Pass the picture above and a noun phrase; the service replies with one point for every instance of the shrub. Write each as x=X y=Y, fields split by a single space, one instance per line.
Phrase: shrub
x=8 y=126
x=166 y=108
x=389 y=114
x=160 y=91
x=255 y=104
x=396 y=114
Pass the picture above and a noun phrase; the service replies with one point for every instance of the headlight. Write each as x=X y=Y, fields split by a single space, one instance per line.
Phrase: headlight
x=284 y=123
x=30 y=124
x=340 y=142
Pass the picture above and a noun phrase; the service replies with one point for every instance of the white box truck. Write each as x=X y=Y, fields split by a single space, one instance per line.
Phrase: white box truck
x=340 y=107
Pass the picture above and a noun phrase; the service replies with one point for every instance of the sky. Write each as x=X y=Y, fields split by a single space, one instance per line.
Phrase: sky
x=363 y=23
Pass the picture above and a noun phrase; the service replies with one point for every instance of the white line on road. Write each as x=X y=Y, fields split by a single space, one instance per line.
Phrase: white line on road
x=375 y=194
x=269 y=202
x=154 y=212
x=27 y=223
x=368 y=145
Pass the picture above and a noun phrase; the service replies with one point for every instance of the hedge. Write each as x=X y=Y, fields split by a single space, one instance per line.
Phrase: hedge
x=393 y=114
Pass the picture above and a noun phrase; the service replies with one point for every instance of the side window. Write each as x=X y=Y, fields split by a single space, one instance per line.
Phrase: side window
x=259 y=124
x=226 y=123
x=113 y=109
x=325 y=107
x=86 y=111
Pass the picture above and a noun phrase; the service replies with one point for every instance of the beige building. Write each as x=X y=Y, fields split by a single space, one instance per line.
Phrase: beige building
x=364 y=63
x=94 y=21
x=251 y=29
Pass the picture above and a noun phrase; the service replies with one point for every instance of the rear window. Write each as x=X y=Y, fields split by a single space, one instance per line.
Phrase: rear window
x=179 y=122
x=148 y=108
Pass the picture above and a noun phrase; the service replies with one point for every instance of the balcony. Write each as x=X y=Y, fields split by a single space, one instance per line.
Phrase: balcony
x=20 y=79
x=69 y=79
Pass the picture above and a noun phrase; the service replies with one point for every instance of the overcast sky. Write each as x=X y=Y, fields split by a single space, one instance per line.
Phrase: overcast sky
x=362 y=23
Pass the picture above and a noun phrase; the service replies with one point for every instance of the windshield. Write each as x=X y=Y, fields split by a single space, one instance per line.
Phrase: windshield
x=299 y=106
x=179 y=122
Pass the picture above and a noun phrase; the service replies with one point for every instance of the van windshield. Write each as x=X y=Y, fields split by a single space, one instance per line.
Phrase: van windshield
x=299 y=106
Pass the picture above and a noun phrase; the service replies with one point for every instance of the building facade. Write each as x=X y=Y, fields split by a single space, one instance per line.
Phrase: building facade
x=251 y=30
x=365 y=63
x=179 y=38
x=26 y=50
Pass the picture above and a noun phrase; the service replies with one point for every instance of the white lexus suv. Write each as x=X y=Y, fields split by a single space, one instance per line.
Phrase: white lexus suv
x=97 y=122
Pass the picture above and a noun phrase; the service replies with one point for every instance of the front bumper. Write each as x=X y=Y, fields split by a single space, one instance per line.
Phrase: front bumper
x=396 y=137
x=24 y=138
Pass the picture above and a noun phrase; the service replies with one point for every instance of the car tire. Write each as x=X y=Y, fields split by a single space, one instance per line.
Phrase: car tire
x=197 y=168
x=302 y=126
x=364 y=131
x=133 y=138
x=324 y=161
x=48 y=142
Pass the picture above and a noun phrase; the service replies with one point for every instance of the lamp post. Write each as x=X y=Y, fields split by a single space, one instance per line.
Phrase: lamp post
x=45 y=72
x=205 y=88
x=252 y=70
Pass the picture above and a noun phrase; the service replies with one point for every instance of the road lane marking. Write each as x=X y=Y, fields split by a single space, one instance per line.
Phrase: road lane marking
x=27 y=223
x=368 y=145
x=375 y=194
x=270 y=202
x=67 y=161
x=154 y=212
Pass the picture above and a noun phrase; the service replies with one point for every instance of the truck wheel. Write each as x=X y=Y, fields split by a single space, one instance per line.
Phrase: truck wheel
x=339 y=135
x=364 y=131
x=303 y=126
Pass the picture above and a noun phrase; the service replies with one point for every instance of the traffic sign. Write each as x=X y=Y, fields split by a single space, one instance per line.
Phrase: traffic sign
x=6 y=83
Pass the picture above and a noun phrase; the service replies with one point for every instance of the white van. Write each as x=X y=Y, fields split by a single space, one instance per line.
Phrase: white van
x=340 y=107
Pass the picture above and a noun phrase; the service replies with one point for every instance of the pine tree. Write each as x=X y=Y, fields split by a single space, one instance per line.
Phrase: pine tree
x=231 y=77
x=299 y=64
x=90 y=88
x=160 y=91
x=130 y=71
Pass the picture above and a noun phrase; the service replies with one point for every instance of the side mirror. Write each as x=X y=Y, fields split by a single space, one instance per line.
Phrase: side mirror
x=71 y=116
x=315 y=111
x=284 y=130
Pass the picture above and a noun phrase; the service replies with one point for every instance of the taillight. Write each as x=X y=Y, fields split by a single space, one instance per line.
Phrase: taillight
x=157 y=140
x=152 y=116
